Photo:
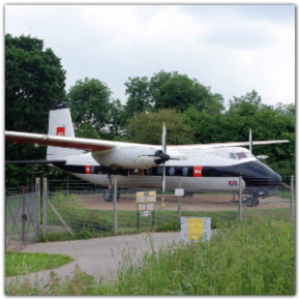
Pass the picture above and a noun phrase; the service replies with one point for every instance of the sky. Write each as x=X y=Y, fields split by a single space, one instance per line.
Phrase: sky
x=231 y=48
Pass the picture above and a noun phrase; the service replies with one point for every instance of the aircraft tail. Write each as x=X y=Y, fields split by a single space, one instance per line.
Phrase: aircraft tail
x=60 y=123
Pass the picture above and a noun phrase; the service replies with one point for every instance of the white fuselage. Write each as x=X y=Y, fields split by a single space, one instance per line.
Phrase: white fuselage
x=206 y=156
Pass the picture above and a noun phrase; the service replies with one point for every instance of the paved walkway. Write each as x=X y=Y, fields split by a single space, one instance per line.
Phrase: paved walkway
x=99 y=257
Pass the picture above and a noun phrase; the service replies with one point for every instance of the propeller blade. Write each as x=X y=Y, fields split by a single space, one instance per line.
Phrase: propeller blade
x=178 y=158
x=163 y=138
x=164 y=178
x=250 y=140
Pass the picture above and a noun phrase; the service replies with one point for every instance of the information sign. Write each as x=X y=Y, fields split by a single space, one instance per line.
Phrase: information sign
x=142 y=206
x=145 y=213
x=179 y=192
x=150 y=206
x=195 y=228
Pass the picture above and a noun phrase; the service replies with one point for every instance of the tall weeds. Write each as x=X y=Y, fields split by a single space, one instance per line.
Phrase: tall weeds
x=255 y=257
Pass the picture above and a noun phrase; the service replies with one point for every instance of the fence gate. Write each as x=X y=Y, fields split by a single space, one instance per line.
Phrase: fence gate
x=21 y=217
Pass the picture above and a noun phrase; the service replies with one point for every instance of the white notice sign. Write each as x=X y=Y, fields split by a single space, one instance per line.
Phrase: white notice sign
x=142 y=199
x=145 y=213
x=150 y=198
x=179 y=192
x=142 y=206
x=150 y=206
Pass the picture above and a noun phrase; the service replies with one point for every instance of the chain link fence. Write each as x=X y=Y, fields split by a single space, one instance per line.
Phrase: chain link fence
x=78 y=209
x=22 y=222
x=85 y=213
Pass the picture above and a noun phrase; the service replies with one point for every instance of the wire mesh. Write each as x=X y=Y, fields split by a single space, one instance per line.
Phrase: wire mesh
x=21 y=217
x=80 y=208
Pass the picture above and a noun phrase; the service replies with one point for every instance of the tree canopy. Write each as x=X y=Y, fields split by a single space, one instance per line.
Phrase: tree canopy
x=89 y=103
x=167 y=90
x=147 y=128
x=34 y=79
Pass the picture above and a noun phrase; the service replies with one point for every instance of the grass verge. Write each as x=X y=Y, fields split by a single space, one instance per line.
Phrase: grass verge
x=20 y=263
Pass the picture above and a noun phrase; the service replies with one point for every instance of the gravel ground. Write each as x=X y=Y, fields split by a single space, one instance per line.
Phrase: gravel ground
x=196 y=202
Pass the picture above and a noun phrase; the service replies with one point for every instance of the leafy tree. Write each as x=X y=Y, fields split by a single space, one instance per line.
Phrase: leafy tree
x=117 y=120
x=89 y=103
x=86 y=130
x=170 y=90
x=138 y=100
x=286 y=109
x=147 y=128
x=34 y=79
x=251 y=98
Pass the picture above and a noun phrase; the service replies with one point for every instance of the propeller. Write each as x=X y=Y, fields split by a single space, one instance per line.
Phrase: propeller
x=250 y=140
x=162 y=156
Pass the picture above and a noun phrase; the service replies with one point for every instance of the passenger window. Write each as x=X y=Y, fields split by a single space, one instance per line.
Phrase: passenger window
x=171 y=171
x=185 y=171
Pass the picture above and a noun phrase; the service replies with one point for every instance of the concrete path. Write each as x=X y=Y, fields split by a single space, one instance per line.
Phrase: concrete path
x=99 y=257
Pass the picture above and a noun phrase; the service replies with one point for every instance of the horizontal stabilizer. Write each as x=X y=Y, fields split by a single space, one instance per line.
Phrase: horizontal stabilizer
x=260 y=157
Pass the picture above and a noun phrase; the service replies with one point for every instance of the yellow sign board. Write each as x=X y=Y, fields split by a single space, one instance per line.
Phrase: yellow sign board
x=195 y=226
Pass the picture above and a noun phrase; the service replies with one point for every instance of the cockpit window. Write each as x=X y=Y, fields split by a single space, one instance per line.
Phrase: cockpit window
x=232 y=155
x=241 y=155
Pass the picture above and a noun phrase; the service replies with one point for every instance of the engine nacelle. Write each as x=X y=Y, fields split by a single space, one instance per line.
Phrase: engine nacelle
x=127 y=158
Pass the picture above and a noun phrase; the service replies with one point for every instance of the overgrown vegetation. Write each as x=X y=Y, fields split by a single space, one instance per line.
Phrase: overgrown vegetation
x=255 y=257
x=20 y=263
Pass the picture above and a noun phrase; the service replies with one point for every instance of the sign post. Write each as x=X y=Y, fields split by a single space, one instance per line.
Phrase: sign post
x=240 y=198
x=179 y=192
x=115 y=206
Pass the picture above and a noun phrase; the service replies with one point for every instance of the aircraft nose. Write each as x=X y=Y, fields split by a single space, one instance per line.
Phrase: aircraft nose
x=275 y=179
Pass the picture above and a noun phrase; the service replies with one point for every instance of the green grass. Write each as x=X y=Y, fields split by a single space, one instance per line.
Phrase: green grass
x=99 y=223
x=19 y=263
x=254 y=257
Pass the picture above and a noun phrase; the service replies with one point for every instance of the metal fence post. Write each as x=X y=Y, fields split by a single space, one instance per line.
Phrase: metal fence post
x=292 y=196
x=115 y=206
x=38 y=200
x=240 y=199
x=179 y=203
x=23 y=216
x=45 y=206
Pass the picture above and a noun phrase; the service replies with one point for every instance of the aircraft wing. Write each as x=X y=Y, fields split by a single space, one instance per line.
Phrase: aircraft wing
x=231 y=144
x=67 y=142
x=101 y=145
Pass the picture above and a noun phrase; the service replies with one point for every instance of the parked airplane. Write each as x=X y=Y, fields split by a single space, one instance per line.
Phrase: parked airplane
x=202 y=167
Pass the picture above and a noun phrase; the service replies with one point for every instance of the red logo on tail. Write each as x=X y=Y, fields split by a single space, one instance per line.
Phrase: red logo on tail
x=60 y=131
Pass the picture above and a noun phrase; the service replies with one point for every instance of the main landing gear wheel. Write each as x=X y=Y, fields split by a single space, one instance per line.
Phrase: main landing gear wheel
x=249 y=202
x=256 y=202
x=252 y=201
